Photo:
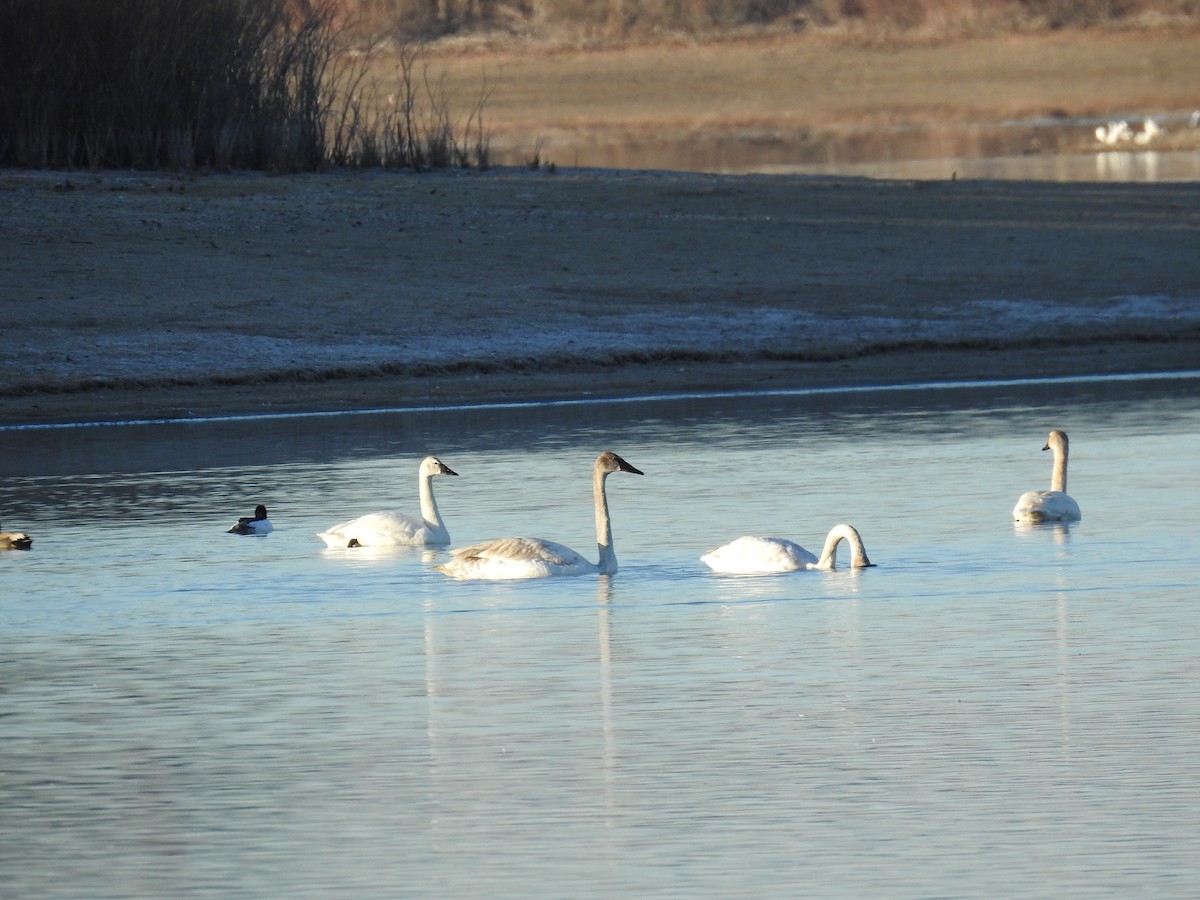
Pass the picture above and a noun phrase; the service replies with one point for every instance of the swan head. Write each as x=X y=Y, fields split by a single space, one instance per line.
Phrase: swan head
x=1057 y=442
x=431 y=465
x=608 y=462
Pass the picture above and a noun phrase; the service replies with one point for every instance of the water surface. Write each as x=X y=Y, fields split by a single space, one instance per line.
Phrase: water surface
x=1051 y=149
x=991 y=710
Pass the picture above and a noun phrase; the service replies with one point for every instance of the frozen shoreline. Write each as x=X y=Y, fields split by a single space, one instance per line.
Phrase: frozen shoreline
x=152 y=294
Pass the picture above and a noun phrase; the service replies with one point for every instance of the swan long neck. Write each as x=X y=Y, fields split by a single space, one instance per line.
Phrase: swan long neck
x=849 y=534
x=608 y=556
x=429 y=507
x=1058 y=481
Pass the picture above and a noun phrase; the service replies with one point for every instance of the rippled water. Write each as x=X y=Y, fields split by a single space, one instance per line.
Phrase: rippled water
x=991 y=711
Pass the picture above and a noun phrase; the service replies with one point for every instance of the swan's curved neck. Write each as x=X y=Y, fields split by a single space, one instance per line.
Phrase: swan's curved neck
x=429 y=507
x=608 y=556
x=858 y=553
x=1058 y=482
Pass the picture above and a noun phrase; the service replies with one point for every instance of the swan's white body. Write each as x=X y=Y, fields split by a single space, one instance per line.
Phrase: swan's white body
x=1114 y=133
x=1150 y=130
x=390 y=529
x=767 y=556
x=1054 y=505
x=256 y=524
x=505 y=559
x=15 y=540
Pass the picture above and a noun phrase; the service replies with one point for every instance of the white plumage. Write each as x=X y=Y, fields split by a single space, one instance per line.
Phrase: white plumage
x=391 y=529
x=1114 y=133
x=505 y=559
x=255 y=524
x=765 y=556
x=1054 y=505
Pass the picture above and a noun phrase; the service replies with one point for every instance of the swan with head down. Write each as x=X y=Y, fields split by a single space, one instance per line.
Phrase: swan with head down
x=767 y=556
x=1054 y=505
x=392 y=529
x=504 y=559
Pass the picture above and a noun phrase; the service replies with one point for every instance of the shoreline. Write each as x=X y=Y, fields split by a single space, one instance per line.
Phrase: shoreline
x=149 y=296
x=935 y=369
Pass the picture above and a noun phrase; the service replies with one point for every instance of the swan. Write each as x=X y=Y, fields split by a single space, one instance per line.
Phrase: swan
x=15 y=540
x=255 y=524
x=764 y=556
x=1114 y=133
x=501 y=559
x=1150 y=130
x=1054 y=505
x=390 y=529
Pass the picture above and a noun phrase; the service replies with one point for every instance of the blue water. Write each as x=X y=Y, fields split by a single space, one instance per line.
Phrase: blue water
x=991 y=711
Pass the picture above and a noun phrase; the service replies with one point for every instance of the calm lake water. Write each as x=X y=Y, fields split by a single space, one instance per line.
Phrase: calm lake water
x=991 y=711
x=1057 y=149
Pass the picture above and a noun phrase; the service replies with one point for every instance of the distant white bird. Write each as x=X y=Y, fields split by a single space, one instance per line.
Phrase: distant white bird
x=15 y=540
x=255 y=524
x=1194 y=119
x=1114 y=133
x=1150 y=130
x=391 y=529
x=503 y=559
x=1054 y=505
x=765 y=556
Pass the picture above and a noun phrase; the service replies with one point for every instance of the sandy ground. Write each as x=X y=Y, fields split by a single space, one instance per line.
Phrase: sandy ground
x=146 y=296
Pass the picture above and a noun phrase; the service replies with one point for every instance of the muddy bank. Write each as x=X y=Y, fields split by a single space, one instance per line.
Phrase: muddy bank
x=150 y=295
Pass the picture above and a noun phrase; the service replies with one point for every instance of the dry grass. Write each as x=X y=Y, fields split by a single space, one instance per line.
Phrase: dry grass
x=290 y=85
x=221 y=84
x=808 y=83
x=567 y=22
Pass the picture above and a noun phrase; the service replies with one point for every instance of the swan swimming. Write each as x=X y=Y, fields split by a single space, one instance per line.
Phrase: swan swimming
x=390 y=529
x=1114 y=133
x=502 y=559
x=1054 y=505
x=255 y=524
x=766 y=556
x=1150 y=130
x=15 y=540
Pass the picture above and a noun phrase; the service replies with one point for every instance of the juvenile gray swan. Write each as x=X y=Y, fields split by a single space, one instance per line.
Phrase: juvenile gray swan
x=504 y=559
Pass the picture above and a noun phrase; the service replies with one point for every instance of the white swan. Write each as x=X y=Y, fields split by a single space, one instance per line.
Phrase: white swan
x=390 y=529
x=765 y=556
x=521 y=557
x=1114 y=133
x=15 y=540
x=1054 y=505
x=255 y=524
x=1150 y=130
